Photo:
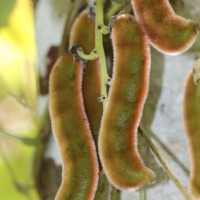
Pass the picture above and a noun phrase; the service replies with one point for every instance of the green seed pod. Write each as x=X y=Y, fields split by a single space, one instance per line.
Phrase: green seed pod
x=191 y=110
x=71 y=131
x=83 y=35
x=119 y=156
x=167 y=32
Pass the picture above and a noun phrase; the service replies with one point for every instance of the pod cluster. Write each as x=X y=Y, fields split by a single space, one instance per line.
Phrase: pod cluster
x=91 y=139
x=83 y=35
x=73 y=101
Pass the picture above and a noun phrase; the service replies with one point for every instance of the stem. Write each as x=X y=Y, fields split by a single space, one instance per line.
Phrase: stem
x=91 y=56
x=117 y=7
x=170 y=153
x=104 y=29
x=142 y=194
x=164 y=164
x=99 y=48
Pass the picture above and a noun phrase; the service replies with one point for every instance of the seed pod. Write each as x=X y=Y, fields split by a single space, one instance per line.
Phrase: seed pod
x=119 y=156
x=191 y=110
x=72 y=133
x=83 y=35
x=167 y=32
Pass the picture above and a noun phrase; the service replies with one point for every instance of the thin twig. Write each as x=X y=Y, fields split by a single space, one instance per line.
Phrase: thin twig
x=170 y=153
x=116 y=7
x=142 y=194
x=164 y=164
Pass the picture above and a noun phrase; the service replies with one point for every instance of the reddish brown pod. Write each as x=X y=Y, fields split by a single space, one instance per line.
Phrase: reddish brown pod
x=72 y=132
x=83 y=34
x=119 y=155
x=167 y=32
x=191 y=110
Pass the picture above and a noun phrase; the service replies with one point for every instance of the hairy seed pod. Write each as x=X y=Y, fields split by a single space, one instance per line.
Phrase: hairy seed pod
x=191 y=110
x=119 y=156
x=167 y=32
x=83 y=35
x=72 y=133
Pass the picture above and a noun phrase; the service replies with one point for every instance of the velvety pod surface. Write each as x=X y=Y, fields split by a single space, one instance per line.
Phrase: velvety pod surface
x=83 y=35
x=167 y=32
x=118 y=133
x=72 y=132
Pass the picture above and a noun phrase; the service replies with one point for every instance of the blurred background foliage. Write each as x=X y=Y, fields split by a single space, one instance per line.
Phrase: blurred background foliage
x=18 y=99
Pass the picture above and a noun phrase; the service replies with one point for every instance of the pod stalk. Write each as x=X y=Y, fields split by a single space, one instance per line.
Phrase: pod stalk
x=99 y=48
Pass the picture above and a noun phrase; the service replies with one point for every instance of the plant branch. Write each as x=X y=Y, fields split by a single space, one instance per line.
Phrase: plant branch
x=164 y=164
x=170 y=153
x=104 y=29
x=142 y=194
x=91 y=56
x=117 y=7
x=99 y=48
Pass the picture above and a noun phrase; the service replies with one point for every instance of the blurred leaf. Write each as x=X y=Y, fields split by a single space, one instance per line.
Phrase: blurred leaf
x=18 y=79
x=5 y=11
x=18 y=53
x=16 y=180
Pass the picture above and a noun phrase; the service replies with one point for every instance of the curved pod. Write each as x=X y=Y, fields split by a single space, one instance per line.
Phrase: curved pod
x=167 y=32
x=72 y=133
x=83 y=35
x=191 y=109
x=120 y=159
